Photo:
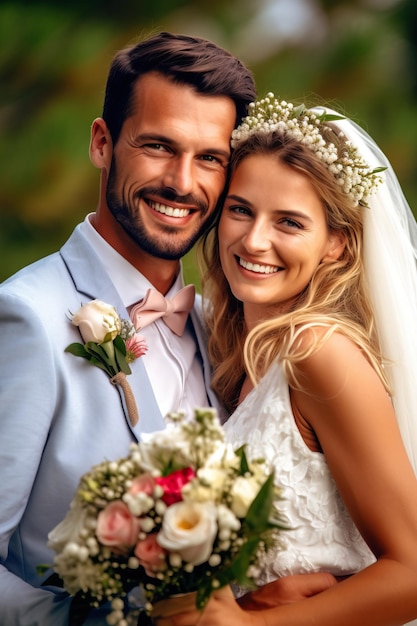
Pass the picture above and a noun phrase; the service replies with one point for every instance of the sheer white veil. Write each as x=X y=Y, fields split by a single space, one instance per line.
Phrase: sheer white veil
x=390 y=253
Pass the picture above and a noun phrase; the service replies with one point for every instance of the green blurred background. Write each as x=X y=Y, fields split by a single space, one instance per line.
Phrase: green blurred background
x=54 y=56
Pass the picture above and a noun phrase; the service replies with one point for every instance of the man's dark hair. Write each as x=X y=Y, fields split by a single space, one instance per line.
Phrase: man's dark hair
x=184 y=59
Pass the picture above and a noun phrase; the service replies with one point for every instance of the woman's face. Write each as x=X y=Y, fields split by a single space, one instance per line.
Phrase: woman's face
x=272 y=236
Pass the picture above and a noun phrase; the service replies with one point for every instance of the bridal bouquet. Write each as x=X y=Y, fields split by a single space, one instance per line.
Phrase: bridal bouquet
x=182 y=512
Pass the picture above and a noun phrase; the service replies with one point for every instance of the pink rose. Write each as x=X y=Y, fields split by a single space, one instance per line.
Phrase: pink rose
x=136 y=347
x=142 y=484
x=117 y=527
x=173 y=484
x=150 y=555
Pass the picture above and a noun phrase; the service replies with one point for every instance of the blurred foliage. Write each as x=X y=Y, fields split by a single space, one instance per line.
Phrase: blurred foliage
x=360 y=55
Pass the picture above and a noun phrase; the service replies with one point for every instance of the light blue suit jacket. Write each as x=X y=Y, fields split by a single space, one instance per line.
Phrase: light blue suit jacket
x=58 y=416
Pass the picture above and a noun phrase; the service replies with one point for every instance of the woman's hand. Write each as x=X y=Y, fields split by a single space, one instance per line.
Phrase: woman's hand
x=287 y=590
x=221 y=609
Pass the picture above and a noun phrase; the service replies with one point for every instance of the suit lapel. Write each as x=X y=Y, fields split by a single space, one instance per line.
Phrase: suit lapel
x=91 y=280
x=201 y=336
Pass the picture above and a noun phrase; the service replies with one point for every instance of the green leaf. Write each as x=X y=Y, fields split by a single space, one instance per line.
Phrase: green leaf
x=120 y=344
x=102 y=366
x=77 y=349
x=97 y=350
x=330 y=117
x=121 y=360
x=244 y=465
x=42 y=569
x=259 y=513
x=99 y=357
x=237 y=571
x=120 y=355
x=300 y=110
x=108 y=337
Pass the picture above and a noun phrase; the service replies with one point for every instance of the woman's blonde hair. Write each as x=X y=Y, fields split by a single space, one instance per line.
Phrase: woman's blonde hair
x=334 y=300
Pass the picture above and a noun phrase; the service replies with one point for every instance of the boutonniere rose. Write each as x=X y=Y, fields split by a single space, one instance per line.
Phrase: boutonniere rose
x=110 y=343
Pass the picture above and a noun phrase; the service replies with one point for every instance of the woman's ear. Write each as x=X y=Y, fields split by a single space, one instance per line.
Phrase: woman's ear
x=335 y=247
x=101 y=145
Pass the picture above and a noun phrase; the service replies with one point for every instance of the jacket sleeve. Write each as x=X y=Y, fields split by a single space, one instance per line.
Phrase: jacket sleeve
x=26 y=406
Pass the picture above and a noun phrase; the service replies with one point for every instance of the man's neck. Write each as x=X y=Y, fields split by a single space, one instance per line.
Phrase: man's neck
x=161 y=273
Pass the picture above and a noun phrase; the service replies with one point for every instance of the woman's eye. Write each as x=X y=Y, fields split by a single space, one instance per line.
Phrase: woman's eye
x=287 y=221
x=239 y=209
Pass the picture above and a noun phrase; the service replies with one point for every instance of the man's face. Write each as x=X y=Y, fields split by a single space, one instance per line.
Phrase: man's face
x=169 y=165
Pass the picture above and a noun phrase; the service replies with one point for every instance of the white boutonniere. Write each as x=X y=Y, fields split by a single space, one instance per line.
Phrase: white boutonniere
x=110 y=343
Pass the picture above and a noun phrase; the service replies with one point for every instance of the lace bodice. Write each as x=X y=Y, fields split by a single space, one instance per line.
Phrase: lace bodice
x=323 y=535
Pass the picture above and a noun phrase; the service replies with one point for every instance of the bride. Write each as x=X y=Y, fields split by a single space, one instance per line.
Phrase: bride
x=312 y=285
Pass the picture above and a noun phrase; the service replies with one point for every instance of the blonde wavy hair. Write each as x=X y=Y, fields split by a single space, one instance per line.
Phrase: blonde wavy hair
x=334 y=300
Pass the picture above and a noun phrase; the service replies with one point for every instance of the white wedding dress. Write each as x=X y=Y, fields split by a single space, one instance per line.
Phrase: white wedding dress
x=322 y=535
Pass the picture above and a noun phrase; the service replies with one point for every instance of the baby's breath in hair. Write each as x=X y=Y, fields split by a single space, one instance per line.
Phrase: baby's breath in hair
x=353 y=174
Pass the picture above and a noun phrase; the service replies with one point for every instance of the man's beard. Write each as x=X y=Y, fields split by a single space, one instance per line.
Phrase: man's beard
x=172 y=247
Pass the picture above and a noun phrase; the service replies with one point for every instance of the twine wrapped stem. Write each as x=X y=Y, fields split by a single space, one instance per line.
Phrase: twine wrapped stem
x=121 y=381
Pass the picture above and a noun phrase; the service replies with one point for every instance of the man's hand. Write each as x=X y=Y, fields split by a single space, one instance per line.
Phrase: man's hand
x=287 y=590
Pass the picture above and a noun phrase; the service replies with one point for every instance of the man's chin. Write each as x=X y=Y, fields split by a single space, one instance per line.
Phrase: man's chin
x=167 y=253
x=166 y=247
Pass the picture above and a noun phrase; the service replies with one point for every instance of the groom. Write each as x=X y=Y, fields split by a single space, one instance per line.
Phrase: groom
x=162 y=147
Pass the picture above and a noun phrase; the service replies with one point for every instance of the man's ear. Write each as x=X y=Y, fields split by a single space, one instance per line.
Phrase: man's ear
x=101 y=145
x=335 y=247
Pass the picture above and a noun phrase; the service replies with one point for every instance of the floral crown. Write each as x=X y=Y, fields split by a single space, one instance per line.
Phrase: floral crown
x=353 y=174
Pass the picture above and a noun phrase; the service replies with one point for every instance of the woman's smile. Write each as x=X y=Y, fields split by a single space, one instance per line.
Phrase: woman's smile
x=257 y=268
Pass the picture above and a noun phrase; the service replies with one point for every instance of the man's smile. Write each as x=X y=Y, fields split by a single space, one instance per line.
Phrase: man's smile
x=168 y=210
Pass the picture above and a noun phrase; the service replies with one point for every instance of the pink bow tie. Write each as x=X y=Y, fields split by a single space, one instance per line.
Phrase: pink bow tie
x=154 y=305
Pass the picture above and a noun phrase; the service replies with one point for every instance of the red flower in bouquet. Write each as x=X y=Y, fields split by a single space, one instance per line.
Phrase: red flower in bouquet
x=174 y=483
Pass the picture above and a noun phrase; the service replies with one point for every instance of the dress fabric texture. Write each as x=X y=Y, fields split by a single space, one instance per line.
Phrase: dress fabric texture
x=322 y=536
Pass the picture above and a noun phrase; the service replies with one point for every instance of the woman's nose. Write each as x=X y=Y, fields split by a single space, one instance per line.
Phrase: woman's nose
x=257 y=238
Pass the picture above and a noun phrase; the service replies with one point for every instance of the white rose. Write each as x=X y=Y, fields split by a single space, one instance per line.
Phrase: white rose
x=213 y=476
x=223 y=456
x=209 y=486
x=243 y=492
x=97 y=321
x=227 y=519
x=163 y=448
x=69 y=530
x=189 y=528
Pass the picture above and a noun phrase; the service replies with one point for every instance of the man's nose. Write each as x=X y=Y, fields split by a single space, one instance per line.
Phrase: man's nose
x=180 y=176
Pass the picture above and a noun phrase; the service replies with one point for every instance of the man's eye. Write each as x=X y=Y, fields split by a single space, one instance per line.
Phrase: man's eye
x=209 y=158
x=155 y=146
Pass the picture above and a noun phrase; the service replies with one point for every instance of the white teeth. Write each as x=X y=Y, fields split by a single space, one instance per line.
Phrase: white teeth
x=257 y=267
x=169 y=210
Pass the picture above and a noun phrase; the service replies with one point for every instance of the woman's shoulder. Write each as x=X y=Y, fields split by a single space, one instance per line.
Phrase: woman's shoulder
x=335 y=383
x=316 y=339
x=328 y=355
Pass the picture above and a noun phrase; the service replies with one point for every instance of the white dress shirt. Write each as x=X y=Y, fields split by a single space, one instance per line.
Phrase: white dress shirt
x=172 y=363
